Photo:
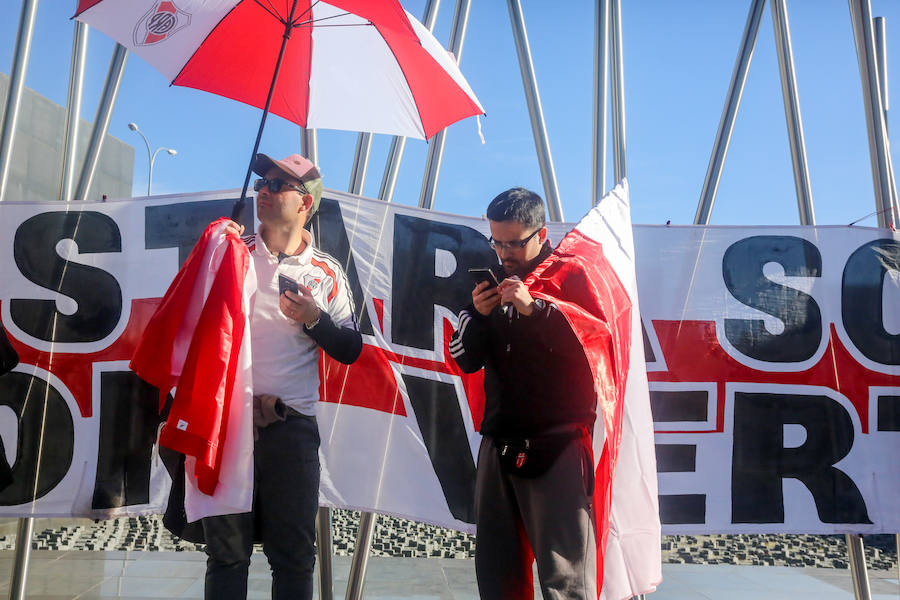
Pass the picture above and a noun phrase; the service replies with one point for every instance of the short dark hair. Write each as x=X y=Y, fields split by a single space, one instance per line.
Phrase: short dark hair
x=517 y=204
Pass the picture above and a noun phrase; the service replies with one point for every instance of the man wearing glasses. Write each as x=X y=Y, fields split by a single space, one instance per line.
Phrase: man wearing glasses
x=302 y=303
x=534 y=482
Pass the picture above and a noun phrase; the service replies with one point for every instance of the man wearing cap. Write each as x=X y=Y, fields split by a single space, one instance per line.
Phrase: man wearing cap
x=287 y=329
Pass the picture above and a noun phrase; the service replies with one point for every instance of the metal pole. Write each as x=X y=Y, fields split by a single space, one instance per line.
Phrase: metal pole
x=323 y=539
x=73 y=110
x=729 y=113
x=792 y=111
x=897 y=542
x=618 y=91
x=436 y=148
x=601 y=98
x=16 y=87
x=360 y=561
x=880 y=30
x=357 y=579
x=392 y=168
x=309 y=145
x=101 y=120
x=23 y=555
x=535 y=111
x=364 y=538
x=858 y=567
x=360 y=163
x=398 y=144
x=134 y=127
x=861 y=17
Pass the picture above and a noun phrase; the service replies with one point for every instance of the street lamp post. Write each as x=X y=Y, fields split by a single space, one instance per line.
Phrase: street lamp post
x=151 y=155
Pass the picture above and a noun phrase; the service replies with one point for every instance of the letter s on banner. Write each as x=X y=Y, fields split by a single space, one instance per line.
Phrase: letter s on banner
x=742 y=271
x=96 y=292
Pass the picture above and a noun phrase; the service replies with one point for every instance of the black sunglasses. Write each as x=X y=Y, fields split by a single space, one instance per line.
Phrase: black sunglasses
x=275 y=185
x=512 y=245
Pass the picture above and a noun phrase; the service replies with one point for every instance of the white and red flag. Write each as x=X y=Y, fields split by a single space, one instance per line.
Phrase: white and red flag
x=198 y=342
x=590 y=276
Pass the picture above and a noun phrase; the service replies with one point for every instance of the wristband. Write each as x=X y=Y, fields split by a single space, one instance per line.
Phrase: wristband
x=310 y=326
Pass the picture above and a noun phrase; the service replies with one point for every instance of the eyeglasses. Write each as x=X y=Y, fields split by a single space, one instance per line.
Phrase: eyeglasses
x=275 y=185
x=516 y=245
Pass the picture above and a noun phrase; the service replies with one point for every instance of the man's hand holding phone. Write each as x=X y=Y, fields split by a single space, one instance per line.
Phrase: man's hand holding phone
x=513 y=291
x=296 y=302
x=485 y=297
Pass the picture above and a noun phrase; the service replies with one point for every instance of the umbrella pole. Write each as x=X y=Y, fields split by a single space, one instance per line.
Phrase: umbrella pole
x=288 y=26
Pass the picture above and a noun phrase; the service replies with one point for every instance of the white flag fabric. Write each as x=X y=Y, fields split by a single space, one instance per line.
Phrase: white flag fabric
x=633 y=555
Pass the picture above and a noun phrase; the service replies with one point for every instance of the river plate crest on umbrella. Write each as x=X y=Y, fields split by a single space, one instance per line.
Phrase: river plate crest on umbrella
x=359 y=65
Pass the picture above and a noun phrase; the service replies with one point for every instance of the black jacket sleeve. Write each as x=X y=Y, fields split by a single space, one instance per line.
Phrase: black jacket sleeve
x=469 y=343
x=344 y=344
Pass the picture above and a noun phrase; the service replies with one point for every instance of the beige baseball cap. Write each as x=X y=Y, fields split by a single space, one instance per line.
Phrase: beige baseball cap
x=296 y=166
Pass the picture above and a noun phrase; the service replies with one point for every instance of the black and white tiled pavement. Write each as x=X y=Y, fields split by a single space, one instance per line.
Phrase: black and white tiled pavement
x=401 y=538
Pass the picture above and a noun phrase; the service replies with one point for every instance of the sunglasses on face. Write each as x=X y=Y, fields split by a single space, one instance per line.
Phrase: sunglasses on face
x=516 y=245
x=275 y=185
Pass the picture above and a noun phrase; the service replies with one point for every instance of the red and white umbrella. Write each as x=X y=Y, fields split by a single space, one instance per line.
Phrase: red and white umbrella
x=359 y=65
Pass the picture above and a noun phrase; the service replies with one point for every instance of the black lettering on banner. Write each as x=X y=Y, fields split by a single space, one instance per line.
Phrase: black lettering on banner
x=416 y=288
x=438 y=414
x=888 y=413
x=96 y=292
x=679 y=509
x=180 y=225
x=330 y=235
x=682 y=509
x=676 y=458
x=129 y=419
x=679 y=405
x=862 y=300
x=45 y=441
x=760 y=461
x=649 y=356
x=742 y=270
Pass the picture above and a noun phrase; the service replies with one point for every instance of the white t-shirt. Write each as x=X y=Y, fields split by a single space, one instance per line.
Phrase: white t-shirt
x=285 y=359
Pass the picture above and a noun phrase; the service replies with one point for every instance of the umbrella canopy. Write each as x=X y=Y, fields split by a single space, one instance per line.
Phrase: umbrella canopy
x=359 y=65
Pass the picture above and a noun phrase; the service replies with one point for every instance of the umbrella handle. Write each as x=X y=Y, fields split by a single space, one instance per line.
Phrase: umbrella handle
x=288 y=25
x=238 y=210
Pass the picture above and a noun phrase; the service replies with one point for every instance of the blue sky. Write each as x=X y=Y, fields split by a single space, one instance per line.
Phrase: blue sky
x=678 y=61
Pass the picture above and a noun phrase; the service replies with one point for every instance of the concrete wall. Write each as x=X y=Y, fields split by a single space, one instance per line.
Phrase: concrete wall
x=36 y=165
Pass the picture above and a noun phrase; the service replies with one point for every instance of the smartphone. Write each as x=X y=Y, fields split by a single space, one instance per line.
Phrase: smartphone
x=286 y=283
x=484 y=274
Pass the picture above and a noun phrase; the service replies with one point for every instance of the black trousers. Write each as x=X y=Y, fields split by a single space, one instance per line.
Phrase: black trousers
x=285 y=503
x=549 y=517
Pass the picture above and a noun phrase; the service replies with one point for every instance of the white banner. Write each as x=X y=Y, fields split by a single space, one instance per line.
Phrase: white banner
x=773 y=356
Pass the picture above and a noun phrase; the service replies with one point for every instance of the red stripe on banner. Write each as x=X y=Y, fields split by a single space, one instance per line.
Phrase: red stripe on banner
x=693 y=354
x=237 y=61
x=370 y=381
x=75 y=371
x=378 y=303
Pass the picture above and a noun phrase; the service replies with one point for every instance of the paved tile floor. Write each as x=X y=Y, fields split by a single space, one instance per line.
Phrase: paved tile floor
x=146 y=575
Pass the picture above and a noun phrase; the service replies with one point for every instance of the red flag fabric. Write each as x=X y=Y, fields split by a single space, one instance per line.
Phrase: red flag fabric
x=196 y=342
x=597 y=293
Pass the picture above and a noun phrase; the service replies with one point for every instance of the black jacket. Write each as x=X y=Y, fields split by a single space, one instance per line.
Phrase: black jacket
x=536 y=375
